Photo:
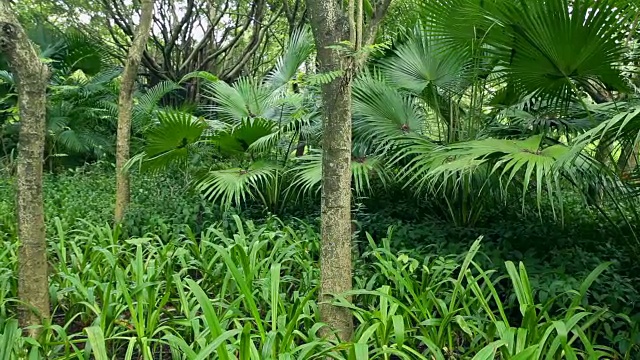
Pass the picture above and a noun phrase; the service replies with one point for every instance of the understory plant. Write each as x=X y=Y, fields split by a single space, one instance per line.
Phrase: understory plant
x=248 y=291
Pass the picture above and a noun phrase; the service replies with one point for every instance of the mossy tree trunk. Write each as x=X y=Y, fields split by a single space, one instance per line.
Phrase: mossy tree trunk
x=125 y=108
x=32 y=77
x=333 y=23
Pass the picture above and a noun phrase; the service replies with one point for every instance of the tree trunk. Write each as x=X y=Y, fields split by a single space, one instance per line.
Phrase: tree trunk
x=125 y=108
x=330 y=27
x=301 y=146
x=31 y=81
x=628 y=159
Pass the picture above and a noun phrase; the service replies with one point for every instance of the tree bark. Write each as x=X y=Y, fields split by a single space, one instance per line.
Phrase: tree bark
x=628 y=160
x=330 y=26
x=125 y=107
x=31 y=82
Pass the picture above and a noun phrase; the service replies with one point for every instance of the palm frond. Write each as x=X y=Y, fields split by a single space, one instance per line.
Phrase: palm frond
x=98 y=82
x=83 y=140
x=382 y=115
x=242 y=100
x=50 y=41
x=527 y=161
x=147 y=103
x=83 y=52
x=323 y=77
x=169 y=142
x=71 y=140
x=546 y=48
x=6 y=77
x=461 y=24
x=620 y=128
x=229 y=106
x=558 y=45
x=234 y=186
x=299 y=49
x=152 y=96
x=247 y=136
x=266 y=143
x=59 y=116
x=307 y=173
x=424 y=61
x=366 y=168
x=258 y=99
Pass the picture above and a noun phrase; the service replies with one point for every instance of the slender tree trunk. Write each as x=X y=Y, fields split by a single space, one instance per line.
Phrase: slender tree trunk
x=302 y=140
x=330 y=27
x=628 y=159
x=31 y=81
x=125 y=108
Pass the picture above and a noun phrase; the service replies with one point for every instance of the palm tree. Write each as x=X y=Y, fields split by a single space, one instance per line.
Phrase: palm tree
x=480 y=101
x=549 y=60
x=253 y=123
x=81 y=79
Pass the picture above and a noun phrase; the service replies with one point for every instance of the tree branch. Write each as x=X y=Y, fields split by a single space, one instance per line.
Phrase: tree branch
x=235 y=40
x=175 y=33
x=379 y=12
x=259 y=33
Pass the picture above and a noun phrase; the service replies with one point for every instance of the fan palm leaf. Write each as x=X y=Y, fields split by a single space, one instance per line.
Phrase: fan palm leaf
x=69 y=49
x=147 y=104
x=244 y=99
x=171 y=140
x=620 y=128
x=558 y=45
x=235 y=186
x=307 y=173
x=422 y=62
x=383 y=115
x=546 y=48
x=502 y=162
x=250 y=135
x=620 y=134
x=149 y=99
x=462 y=25
x=300 y=47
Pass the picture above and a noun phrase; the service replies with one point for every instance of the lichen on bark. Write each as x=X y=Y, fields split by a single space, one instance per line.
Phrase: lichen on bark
x=31 y=82
x=332 y=25
x=125 y=108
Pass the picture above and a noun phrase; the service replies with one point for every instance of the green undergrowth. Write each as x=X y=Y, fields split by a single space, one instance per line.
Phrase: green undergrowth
x=248 y=291
x=133 y=291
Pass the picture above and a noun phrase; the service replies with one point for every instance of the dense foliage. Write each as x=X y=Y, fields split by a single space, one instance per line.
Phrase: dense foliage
x=494 y=175
x=138 y=288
